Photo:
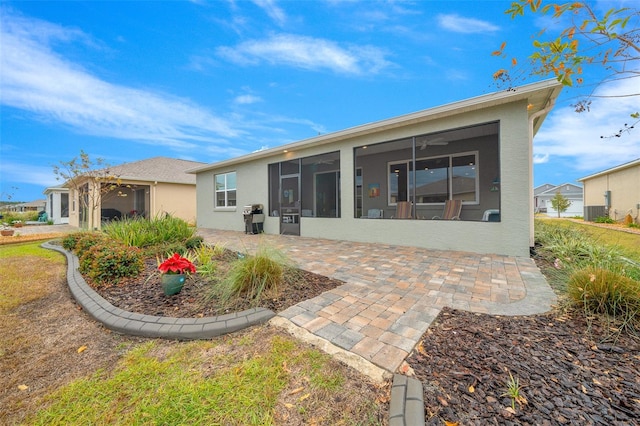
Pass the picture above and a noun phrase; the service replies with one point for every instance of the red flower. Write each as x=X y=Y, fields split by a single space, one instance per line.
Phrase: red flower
x=177 y=264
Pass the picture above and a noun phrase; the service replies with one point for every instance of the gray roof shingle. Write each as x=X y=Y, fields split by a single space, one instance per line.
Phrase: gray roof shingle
x=157 y=169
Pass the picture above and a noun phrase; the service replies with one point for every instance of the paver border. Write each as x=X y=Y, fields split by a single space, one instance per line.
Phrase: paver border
x=135 y=324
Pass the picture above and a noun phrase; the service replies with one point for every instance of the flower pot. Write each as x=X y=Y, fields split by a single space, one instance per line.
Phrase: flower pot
x=172 y=283
x=6 y=232
x=17 y=225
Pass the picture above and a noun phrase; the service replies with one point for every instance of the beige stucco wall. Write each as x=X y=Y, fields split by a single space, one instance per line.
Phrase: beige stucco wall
x=624 y=185
x=175 y=199
x=511 y=236
x=179 y=200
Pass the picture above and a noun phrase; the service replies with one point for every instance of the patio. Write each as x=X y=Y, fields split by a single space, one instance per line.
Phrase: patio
x=393 y=293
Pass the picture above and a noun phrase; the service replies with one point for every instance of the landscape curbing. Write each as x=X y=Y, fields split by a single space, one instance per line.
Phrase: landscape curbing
x=406 y=406
x=136 y=324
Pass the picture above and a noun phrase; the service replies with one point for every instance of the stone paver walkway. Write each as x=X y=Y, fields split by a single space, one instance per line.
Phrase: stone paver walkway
x=391 y=293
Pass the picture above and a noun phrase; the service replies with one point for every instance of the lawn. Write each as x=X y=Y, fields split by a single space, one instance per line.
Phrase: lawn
x=60 y=367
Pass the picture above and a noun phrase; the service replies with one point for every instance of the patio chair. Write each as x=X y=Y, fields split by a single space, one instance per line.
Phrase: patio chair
x=451 y=211
x=42 y=216
x=403 y=210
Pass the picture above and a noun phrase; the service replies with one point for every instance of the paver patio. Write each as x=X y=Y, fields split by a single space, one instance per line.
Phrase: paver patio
x=393 y=293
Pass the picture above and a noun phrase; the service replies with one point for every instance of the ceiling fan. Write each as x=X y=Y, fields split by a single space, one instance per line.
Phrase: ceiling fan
x=439 y=141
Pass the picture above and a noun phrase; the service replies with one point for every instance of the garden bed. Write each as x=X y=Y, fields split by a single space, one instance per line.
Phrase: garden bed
x=566 y=375
x=143 y=294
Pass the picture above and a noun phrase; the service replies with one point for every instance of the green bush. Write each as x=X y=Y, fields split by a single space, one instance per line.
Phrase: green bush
x=194 y=242
x=604 y=219
x=79 y=242
x=107 y=262
x=141 y=232
x=603 y=291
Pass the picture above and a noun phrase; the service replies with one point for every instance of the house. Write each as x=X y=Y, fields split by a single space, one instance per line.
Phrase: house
x=31 y=206
x=57 y=206
x=543 y=195
x=146 y=188
x=614 y=192
x=478 y=151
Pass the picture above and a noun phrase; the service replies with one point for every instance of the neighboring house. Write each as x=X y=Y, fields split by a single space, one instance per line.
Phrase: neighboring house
x=57 y=207
x=614 y=192
x=543 y=195
x=478 y=151
x=146 y=188
x=31 y=206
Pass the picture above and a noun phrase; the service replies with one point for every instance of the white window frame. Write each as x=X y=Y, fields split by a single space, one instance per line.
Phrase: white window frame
x=226 y=189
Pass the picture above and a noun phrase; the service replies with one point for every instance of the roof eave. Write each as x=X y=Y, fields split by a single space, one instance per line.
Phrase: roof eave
x=546 y=91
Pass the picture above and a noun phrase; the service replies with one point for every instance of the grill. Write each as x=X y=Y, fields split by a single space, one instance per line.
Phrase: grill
x=253 y=219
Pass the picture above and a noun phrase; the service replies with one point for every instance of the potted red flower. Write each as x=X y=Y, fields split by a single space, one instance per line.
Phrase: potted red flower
x=174 y=272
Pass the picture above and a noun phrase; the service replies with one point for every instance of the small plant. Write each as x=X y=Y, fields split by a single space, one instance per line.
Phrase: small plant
x=604 y=219
x=177 y=264
x=204 y=258
x=513 y=391
x=251 y=276
x=606 y=292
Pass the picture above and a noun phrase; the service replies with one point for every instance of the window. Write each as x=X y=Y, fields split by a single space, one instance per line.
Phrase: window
x=64 y=205
x=226 y=189
x=437 y=179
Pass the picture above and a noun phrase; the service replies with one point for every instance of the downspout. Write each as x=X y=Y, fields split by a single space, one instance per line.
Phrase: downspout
x=535 y=115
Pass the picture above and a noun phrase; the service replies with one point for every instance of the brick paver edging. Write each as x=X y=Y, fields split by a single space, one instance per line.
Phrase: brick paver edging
x=136 y=324
x=407 y=402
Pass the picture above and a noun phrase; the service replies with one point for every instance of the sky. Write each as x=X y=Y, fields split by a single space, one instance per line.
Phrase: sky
x=210 y=80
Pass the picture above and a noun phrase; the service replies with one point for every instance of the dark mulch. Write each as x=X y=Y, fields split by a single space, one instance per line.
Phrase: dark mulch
x=144 y=295
x=567 y=377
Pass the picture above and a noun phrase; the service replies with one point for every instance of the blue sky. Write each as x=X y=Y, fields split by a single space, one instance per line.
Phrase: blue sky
x=209 y=80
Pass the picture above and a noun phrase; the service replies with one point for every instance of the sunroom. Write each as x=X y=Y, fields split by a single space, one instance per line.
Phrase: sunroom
x=394 y=181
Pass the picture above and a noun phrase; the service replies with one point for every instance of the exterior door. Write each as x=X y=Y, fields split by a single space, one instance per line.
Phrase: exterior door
x=290 y=205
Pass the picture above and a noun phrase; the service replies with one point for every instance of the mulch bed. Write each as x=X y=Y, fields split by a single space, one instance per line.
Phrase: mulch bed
x=143 y=294
x=567 y=377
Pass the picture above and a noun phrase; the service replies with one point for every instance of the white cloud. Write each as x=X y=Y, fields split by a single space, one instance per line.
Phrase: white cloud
x=459 y=24
x=247 y=99
x=271 y=9
x=28 y=174
x=38 y=80
x=586 y=138
x=307 y=53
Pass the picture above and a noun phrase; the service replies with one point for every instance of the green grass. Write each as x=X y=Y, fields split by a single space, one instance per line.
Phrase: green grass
x=598 y=270
x=193 y=383
x=31 y=248
x=19 y=287
x=628 y=243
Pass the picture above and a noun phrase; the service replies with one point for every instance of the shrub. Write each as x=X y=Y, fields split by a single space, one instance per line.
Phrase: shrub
x=603 y=291
x=107 y=262
x=604 y=219
x=79 y=242
x=251 y=276
x=193 y=242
